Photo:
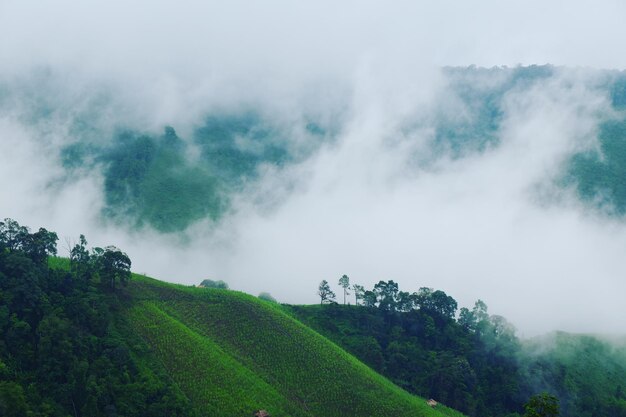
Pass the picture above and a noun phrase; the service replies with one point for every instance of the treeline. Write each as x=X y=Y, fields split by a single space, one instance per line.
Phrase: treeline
x=387 y=296
x=62 y=352
x=468 y=359
x=416 y=340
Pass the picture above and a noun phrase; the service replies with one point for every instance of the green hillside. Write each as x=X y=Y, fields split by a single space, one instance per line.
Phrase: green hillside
x=478 y=366
x=232 y=353
x=85 y=337
x=471 y=364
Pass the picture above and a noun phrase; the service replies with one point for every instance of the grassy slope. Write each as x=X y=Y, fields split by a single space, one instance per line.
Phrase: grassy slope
x=232 y=353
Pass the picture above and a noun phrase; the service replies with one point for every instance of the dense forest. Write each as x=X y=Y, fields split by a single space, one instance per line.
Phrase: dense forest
x=79 y=338
x=467 y=358
x=60 y=352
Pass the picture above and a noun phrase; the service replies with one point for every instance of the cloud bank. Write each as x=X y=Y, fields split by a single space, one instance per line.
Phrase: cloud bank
x=489 y=224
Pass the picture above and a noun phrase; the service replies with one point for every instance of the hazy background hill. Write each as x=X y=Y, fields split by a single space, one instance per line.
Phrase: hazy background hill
x=163 y=181
x=513 y=172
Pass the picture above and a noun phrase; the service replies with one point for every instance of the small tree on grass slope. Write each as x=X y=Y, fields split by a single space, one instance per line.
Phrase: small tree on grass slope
x=326 y=294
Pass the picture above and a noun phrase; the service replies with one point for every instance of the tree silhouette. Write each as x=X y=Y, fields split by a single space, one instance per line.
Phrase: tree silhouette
x=359 y=292
x=113 y=265
x=344 y=282
x=326 y=294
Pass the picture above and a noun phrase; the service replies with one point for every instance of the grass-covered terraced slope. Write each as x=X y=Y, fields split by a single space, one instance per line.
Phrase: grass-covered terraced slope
x=231 y=353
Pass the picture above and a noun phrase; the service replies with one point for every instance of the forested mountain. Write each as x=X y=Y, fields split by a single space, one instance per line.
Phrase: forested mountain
x=167 y=182
x=312 y=209
x=475 y=363
x=65 y=348
x=85 y=337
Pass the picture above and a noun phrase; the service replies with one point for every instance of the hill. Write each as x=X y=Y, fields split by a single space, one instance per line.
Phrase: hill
x=232 y=353
x=587 y=372
x=85 y=337
x=430 y=354
x=169 y=181
x=484 y=369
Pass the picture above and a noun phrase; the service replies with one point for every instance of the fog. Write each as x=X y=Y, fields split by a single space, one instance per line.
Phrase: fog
x=490 y=225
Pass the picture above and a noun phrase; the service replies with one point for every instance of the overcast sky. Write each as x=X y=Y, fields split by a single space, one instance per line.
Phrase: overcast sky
x=472 y=228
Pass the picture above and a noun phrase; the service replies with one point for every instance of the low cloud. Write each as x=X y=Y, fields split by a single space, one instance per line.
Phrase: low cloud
x=486 y=224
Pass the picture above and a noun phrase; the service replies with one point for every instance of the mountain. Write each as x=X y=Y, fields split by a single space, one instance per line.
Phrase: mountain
x=152 y=177
x=231 y=353
x=85 y=337
x=482 y=369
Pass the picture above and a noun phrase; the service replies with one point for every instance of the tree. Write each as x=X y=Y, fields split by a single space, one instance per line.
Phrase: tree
x=39 y=245
x=444 y=304
x=12 y=234
x=542 y=405
x=405 y=301
x=80 y=260
x=326 y=294
x=209 y=283
x=480 y=311
x=467 y=319
x=113 y=265
x=359 y=291
x=436 y=302
x=344 y=282
x=267 y=297
x=12 y=400
x=369 y=298
x=481 y=317
x=386 y=295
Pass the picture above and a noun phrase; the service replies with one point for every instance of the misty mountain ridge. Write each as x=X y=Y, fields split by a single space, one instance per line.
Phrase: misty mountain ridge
x=513 y=173
x=169 y=182
x=85 y=336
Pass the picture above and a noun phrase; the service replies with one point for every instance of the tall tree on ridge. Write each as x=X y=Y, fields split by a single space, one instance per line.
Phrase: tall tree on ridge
x=325 y=293
x=359 y=292
x=344 y=282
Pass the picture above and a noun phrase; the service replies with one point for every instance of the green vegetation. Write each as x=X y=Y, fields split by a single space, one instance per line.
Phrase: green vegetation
x=470 y=366
x=542 y=405
x=65 y=349
x=587 y=374
x=599 y=174
x=236 y=145
x=149 y=181
x=294 y=371
x=84 y=337
x=153 y=181
x=482 y=92
x=168 y=183
x=472 y=361
x=77 y=343
x=208 y=283
x=326 y=294
x=267 y=297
